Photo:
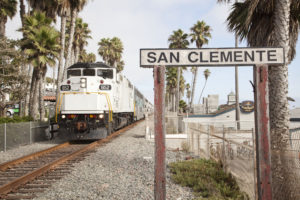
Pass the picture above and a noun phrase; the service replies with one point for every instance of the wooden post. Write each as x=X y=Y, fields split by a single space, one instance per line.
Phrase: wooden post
x=159 y=123
x=262 y=130
x=223 y=151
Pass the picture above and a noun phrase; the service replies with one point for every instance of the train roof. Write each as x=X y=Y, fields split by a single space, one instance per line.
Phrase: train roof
x=89 y=65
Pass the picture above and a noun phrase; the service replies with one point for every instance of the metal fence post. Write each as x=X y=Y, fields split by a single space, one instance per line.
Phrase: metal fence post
x=223 y=150
x=30 y=129
x=208 y=141
x=4 y=137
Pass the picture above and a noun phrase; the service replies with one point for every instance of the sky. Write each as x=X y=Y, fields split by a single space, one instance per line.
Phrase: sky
x=149 y=23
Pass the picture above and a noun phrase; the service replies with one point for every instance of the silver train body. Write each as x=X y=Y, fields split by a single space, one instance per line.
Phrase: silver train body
x=95 y=100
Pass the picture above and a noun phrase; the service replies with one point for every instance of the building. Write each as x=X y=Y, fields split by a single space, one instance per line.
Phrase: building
x=210 y=104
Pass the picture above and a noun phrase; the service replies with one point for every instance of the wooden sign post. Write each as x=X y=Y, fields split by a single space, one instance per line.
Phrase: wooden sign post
x=260 y=57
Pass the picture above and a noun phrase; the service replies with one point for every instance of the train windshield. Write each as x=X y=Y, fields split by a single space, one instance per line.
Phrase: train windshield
x=89 y=72
x=76 y=72
x=105 y=73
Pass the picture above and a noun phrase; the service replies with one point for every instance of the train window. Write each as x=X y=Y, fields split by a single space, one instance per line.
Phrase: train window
x=89 y=72
x=105 y=73
x=76 y=72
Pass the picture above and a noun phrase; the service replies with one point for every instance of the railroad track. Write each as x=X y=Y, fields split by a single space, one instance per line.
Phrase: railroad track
x=24 y=177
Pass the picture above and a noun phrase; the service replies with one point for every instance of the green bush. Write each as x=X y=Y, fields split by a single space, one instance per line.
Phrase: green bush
x=207 y=179
x=15 y=119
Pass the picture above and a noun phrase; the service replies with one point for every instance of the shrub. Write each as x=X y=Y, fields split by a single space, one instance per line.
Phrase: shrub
x=15 y=119
x=207 y=179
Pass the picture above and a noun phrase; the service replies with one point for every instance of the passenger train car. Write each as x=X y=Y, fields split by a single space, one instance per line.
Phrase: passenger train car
x=96 y=100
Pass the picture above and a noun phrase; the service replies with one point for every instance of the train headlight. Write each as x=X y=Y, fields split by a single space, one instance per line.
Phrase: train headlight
x=101 y=116
x=63 y=116
x=83 y=82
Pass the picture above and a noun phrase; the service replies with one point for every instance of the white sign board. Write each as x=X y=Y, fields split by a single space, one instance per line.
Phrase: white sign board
x=211 y=57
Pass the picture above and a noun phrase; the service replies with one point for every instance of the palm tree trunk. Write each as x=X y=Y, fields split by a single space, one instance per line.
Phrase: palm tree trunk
x=41 y=99
x=202 y=91
x=28 y=94
x=177 y=90
x=34 y=96
x=61 y=54
x=22 y=11
x=2 y=26
x=76 y=54
x=284 y=180
x=193 y=88
x=70 y=44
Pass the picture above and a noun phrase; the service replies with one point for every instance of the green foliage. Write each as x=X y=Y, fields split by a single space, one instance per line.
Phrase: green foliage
x=111 y=51
x=15 y=119
x=182 y=105
x=207 y=180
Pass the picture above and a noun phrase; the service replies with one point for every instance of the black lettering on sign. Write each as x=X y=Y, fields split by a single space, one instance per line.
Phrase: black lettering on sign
x=260 y=54
x=238 y=56
x=151 y=55
x=247 y=55
x=226 y=58
x=190 y=57
x=175 y=57
x=201 y=57
x=213 y=55
x=162 y=57
x=272 y=55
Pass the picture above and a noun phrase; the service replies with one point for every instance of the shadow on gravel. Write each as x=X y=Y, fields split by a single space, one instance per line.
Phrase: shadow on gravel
x=138 y=136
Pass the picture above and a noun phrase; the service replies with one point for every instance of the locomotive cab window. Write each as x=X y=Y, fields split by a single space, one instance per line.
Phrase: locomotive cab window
x=76 y=72
x=105 y=73
x=89 y=72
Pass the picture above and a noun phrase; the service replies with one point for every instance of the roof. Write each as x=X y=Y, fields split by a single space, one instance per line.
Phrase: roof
x=49 y=98
x=222 y=109
x=89 y=65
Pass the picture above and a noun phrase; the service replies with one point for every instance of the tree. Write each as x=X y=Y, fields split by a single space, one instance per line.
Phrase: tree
x=200 y=33
x=12 y=79
x=87 y=57
x=81 y=34
x=179 y=40
x=188 y=91
x=41 y=46
x=111 y=52
x=206 y=74
x=8 y=8
x=75 y=7
x=273 y=23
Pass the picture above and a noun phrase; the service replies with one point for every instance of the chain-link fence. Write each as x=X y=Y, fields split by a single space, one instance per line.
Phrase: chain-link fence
x=225 y=143
x=15 y=134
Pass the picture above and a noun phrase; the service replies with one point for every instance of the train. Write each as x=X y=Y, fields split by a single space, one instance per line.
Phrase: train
x=95 y=100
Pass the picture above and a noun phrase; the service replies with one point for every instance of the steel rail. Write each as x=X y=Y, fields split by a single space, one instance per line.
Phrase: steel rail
x=9 y=164
x=5 y=189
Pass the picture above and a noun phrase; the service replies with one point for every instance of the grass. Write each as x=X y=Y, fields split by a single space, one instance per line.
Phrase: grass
x=207 y=180
x=14 y=119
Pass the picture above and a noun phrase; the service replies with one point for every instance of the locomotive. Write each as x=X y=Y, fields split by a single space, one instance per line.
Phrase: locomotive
x=95 y=100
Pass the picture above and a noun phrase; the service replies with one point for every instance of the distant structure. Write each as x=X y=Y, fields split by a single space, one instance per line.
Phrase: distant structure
x=210 y=104
x=231 y=98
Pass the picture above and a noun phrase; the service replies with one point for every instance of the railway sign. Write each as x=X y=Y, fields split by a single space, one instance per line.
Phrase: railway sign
x=211 y=57
x=260 y=58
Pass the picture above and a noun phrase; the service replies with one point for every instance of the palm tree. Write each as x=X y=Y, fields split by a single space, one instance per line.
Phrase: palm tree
x=48 y=6
x=206 y=75
x=171 y=79
x=75 y=7
x=265 y=23
x=41 y=46
x=188 y=91
x=111 y=51
x=200 y=34
x=8 y=8
x=178 y=40
x=82 y=33
x=86 y=57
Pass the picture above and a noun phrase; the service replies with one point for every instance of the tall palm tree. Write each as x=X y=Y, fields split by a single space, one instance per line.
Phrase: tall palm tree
x=41 y=46
x=206 y=74
x=111 y=51
x=273 y=23
x=8 y=8
x=48 y=6
x=171 y=79
x=81 y=34
x=86 y=57
x=75 y=7
x=200 y=34
x=178 y=40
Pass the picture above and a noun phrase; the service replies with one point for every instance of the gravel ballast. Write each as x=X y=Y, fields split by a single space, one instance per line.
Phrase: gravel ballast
x=121 y=169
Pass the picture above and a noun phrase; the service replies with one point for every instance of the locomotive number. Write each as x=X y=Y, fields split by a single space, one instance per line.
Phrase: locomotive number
x=105 y=87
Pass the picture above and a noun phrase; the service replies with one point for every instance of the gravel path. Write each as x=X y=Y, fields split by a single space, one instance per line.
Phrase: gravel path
x=121 y=169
